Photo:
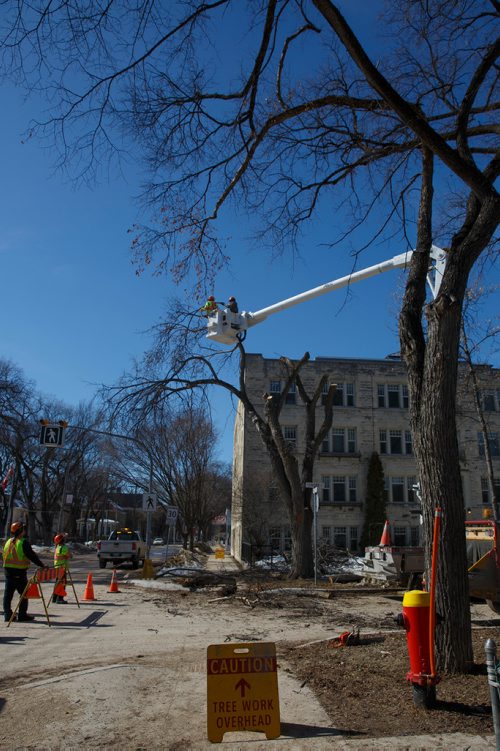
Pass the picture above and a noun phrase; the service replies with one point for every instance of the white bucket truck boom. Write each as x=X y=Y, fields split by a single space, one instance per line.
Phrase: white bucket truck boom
x=226 y=327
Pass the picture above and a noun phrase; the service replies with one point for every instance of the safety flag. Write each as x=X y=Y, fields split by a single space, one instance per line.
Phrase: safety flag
x=6 y=479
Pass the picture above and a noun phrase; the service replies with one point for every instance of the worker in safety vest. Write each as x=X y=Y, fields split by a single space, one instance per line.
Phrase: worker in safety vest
x=17 y=555
x=61 y=560
x=210 y=306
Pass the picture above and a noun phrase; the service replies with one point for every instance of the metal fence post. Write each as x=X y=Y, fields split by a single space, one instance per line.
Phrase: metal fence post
x=492 y=667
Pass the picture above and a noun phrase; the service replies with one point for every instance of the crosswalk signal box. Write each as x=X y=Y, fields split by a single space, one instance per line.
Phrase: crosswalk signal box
x=52 y=435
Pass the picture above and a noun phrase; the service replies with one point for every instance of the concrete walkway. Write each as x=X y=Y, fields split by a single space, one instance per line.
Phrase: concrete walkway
x=222 y=565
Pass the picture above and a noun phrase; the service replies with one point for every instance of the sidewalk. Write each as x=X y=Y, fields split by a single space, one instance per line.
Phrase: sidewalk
x=226 y=564
x=315 y=727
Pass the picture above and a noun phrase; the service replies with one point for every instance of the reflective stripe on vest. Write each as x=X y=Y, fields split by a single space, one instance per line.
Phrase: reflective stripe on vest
x=13 y=554
x=61 y=555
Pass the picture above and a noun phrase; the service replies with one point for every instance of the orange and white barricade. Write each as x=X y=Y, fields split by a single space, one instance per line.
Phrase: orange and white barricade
x=34 y=589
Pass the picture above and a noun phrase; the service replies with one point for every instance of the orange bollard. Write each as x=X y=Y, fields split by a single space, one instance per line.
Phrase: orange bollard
x=33 y=592
x=113 y=587
x=89 y=589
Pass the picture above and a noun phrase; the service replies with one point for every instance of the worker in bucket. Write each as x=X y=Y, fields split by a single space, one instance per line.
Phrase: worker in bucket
x=210 y=306
x=61 y=560
x=17 y=556
x=232 y=305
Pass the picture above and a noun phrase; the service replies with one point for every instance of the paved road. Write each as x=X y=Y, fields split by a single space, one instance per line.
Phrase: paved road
x=86 y=563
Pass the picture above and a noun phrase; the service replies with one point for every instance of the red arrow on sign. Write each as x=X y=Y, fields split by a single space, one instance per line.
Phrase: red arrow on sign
x=242 y=685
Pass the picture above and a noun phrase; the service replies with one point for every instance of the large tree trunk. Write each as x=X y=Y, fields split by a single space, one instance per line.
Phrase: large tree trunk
x=302 y=558
x=436 y=449
x=432 y=361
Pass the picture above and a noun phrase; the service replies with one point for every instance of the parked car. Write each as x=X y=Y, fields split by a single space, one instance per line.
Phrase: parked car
x=158 y=541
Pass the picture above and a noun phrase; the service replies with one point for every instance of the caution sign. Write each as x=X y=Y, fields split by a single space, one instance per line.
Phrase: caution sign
x=242 y=689
x=219 y=552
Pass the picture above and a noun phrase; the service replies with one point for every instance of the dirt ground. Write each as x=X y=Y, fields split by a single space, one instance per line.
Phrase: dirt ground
x=363 y=687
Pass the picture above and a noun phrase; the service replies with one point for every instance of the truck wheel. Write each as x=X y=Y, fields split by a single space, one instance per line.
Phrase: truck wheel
x=102 y=564
x=494 y=605
x=135 y=563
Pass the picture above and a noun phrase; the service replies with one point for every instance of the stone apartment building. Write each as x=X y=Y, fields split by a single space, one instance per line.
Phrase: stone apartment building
x=370 y=414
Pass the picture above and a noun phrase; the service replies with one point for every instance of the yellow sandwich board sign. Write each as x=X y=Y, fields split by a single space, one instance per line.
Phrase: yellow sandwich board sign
x=242 y=689
x=219 y=552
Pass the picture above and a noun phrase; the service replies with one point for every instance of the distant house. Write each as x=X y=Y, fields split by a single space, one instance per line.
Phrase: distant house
x=118 y=510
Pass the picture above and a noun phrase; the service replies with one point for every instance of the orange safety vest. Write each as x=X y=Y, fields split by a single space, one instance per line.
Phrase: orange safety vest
x=61 y=556
x=13 y=554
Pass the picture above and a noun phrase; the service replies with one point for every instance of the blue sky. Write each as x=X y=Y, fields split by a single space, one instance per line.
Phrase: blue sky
x=74 y=313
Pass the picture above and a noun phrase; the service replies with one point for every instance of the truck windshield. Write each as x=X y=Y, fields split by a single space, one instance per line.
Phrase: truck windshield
x=124 y=535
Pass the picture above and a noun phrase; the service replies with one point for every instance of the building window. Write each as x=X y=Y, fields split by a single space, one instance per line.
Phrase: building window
x=393 y=395
x=411 y=489
x=406 y=396
x=353 y=538
x=381 y=395
x=291 y=397
x=338 y=440
x=408 y=443
x=326 y=534
x=349 y=391
x=290 y=435
x=340 y=537
x=490 y=400
x=383 y=441
x=415 y=536
x=351 y=440
x=344 y=395
x=275 y=387
x=353 y=492
x=343 y=440
x=400 y=490
x=338 y=397
x=324 y=393
x=485 y=490
x=493 y=443
x=399 y=536
x=326 y=495
x=395 y=442
x=397 y=490
x=338 y=488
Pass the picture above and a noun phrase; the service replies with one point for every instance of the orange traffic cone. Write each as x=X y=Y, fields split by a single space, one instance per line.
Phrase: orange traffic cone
x=33 y=592
x=89 y=589
x=385 y=540
x=113 y=587
x=59 y=590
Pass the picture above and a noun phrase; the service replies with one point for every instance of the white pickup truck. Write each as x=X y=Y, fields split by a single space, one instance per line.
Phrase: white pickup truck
x=121 y=546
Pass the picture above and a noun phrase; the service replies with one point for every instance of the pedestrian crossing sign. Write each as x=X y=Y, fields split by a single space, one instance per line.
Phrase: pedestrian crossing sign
x=52 y=435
